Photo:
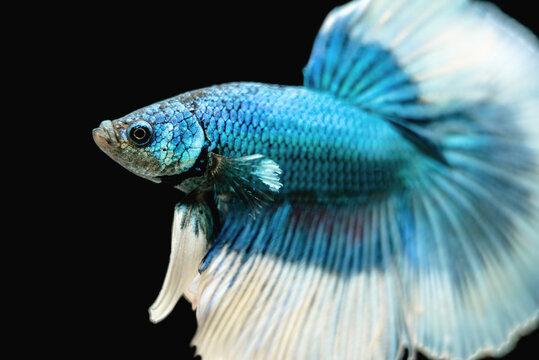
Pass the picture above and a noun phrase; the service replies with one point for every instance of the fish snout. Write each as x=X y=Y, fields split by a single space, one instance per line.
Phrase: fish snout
x=105 y=136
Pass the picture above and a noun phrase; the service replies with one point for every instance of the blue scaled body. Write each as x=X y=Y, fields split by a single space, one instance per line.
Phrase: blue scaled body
x=325 y=147
x=390 y=202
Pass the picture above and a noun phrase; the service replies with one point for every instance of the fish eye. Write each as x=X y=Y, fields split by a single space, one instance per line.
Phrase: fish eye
x=140 y=133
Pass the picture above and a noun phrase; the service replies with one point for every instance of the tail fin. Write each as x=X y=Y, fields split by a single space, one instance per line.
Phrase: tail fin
x=464 y=77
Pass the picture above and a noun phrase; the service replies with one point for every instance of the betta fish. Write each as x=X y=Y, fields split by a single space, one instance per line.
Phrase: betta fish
x=389 y=204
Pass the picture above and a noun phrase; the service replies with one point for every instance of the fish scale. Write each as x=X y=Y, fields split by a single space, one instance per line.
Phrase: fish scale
x=322 y=144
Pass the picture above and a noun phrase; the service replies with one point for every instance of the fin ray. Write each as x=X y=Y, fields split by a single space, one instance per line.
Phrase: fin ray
x=295 y=299
x=253 y=179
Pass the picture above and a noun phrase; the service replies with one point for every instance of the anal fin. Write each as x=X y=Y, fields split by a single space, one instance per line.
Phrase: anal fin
x=299 y=282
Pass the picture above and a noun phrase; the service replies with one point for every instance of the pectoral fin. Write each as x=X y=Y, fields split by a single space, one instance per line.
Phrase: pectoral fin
x=254 y=179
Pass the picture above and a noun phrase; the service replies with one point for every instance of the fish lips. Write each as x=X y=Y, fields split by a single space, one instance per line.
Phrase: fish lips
x=105 y=137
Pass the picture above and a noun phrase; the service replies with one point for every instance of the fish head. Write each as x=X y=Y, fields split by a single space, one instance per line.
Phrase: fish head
x=161 y=140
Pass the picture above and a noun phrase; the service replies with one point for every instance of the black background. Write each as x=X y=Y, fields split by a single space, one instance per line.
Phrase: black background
x=112 y=235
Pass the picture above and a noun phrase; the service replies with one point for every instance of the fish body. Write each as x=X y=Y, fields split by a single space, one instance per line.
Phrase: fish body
x=325 y=147
x=390 y=202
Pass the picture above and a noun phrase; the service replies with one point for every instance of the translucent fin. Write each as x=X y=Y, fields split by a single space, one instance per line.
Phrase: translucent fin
x=191 y=228
x=433 y=271
x=470 y=249
x=299 y=283
x=253 y=179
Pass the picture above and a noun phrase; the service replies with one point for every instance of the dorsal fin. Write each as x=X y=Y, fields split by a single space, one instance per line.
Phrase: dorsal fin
x=407 y=61
x=351 y=63
x=347 y=64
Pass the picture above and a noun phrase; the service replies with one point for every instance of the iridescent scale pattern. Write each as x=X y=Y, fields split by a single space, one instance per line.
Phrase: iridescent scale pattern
x=323 y=145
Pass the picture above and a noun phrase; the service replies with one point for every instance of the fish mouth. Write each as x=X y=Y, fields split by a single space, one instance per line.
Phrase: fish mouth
x=105 y=137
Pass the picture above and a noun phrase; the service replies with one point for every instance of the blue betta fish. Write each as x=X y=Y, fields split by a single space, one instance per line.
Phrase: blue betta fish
x=389 y=203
